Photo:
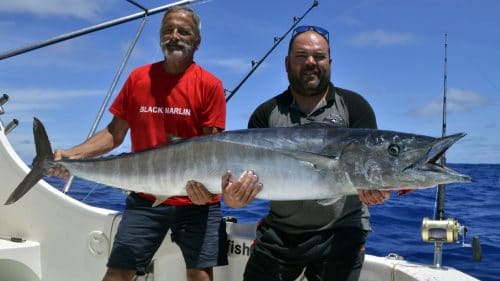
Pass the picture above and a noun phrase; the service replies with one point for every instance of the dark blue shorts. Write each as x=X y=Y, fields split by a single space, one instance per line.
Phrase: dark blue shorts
x=199 y=231
x=335 y=255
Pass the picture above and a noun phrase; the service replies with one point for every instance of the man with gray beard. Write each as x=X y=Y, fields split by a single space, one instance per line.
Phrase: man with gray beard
x=323 y=242
x=144 y=105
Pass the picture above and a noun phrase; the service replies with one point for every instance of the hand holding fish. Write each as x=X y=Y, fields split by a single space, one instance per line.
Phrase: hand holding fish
x=240 y=193
x=373 y=196
x=198 y=193
x=59 y=170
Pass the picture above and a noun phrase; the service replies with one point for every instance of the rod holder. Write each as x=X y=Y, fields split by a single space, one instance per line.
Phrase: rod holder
x=11 y=126
x=3 y=99
x=477 y=253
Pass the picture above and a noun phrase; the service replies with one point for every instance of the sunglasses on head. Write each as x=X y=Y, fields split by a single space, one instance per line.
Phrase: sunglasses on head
x=303 y=28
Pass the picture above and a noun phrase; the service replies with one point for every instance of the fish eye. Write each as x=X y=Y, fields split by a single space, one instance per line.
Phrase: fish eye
x=393 y=149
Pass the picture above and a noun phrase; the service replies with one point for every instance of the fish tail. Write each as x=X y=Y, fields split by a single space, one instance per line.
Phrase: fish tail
x=44 y=157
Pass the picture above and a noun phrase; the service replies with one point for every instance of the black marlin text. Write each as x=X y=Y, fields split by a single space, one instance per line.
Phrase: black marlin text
x=165 y=110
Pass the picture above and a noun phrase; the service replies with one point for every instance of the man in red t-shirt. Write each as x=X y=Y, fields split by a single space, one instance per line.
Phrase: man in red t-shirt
x=173 y=97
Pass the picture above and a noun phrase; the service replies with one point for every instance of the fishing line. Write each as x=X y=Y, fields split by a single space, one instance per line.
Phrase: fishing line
x=84 y=199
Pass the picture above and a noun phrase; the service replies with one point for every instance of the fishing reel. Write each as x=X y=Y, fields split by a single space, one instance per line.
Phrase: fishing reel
x=448 y=231
x=444 y=231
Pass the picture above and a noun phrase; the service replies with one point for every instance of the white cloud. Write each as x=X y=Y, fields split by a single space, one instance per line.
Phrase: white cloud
x=233 y=64
x=347 y=20
x=382 y=38
x=6 y=25
x=85 y=9
x=457 y=100
x=23 y=100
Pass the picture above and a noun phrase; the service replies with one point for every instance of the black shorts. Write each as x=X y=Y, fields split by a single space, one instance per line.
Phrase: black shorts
x=199 y=231
x=324 y=255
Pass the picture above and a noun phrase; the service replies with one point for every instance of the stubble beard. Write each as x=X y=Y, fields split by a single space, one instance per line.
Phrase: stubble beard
x=307 y=87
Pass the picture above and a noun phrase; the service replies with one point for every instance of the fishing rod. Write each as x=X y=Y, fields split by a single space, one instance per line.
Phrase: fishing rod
x=446 y=230
x=97 y=27
x=277 y=41
x=441 y=189
x=439 y=214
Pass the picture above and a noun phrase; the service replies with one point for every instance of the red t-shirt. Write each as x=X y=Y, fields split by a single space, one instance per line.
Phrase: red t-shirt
x=157 y=105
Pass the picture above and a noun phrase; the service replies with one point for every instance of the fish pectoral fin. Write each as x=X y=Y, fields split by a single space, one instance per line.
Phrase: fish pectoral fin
x=329 y=201
x=159 y=200
x=316 y=161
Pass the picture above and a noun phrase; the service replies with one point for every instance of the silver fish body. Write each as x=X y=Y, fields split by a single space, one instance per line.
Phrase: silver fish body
x=295 y=163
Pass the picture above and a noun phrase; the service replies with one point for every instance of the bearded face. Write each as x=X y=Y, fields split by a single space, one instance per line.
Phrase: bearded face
x=179 y=36
x=308 y=64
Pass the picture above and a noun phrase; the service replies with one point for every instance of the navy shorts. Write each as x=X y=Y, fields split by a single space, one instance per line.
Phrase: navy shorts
x=199 y=231
x=332 y=255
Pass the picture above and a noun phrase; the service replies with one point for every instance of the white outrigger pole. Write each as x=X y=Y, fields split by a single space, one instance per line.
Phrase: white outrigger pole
x=145 y=12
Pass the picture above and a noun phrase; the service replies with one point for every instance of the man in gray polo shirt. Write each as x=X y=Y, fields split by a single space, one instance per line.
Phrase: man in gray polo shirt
x=325 y=241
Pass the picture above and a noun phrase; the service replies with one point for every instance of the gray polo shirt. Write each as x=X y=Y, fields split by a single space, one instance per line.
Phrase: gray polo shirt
x=341 y=108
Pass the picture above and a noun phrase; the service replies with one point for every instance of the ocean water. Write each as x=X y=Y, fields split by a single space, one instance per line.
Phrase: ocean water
x=396 y=224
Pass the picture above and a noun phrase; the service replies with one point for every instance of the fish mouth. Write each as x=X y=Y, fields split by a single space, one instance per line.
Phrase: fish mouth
x=437 y=150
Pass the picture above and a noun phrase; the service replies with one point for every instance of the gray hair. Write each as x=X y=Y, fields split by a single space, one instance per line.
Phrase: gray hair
x=194 y=17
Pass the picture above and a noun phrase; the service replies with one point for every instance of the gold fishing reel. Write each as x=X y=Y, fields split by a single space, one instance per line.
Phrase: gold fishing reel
x=448 y=231
x=445 y=231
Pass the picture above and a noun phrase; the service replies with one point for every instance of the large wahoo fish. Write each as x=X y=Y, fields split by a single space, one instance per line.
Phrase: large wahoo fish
x=310 y=162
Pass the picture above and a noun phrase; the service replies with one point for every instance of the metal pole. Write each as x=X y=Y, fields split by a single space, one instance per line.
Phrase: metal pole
x=91 y=29
x=438 y=254
x=111 y=89
x=439 y=215
x=277 y=41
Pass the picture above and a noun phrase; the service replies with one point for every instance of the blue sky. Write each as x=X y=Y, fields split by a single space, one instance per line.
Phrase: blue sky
x=391 y=52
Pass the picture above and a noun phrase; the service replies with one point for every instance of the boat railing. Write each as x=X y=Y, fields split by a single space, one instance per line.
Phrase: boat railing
x=4 y=98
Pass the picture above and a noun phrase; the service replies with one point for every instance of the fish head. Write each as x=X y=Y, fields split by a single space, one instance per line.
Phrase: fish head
x=378 y=159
